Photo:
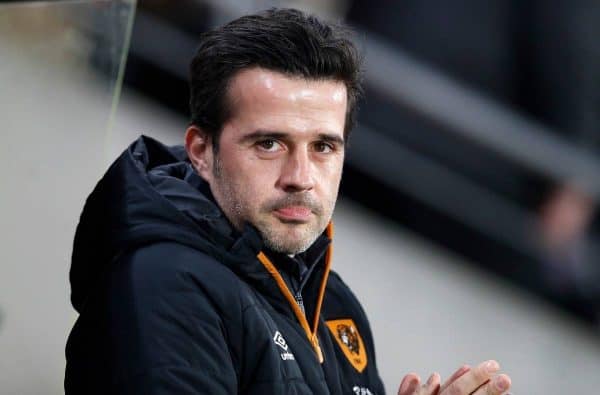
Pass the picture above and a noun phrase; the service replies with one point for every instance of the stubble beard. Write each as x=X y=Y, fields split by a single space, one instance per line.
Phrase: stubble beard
x=277 y=236
x=304 y=235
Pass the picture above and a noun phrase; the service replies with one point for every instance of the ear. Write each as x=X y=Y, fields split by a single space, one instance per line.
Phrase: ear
x=198 y=145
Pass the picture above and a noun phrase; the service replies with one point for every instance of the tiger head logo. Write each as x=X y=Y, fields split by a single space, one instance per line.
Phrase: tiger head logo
x=347 y=335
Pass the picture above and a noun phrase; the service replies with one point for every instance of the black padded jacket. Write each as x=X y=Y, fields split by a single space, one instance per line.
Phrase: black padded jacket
x=172 y=300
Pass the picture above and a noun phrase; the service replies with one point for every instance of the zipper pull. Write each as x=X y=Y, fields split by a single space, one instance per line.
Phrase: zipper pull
x=317 y=348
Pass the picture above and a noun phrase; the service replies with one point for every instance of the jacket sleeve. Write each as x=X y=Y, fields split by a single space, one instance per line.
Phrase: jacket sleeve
x=168 y=332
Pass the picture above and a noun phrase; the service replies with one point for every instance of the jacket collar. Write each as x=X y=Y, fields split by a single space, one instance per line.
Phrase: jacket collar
x=299 y=268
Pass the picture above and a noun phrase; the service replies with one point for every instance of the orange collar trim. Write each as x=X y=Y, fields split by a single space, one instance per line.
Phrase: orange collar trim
x=311 y=333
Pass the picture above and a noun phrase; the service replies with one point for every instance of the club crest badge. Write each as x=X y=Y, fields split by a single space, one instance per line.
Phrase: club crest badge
x=347 y=337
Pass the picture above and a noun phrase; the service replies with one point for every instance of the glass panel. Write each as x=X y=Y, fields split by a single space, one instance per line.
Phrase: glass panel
x=61 y=64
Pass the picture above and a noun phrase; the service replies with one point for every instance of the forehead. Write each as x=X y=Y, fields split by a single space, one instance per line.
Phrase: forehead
x=258 y=95
x=259 y=81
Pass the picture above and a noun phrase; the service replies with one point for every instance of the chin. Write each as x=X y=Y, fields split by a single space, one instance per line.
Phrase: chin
x=288 y=249
x=288 y=237
x=290 y=243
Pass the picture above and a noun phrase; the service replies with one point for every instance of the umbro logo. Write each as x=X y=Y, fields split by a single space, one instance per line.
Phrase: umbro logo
x=280 y=341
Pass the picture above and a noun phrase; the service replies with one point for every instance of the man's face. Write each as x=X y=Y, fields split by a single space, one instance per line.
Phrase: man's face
x=280 y=156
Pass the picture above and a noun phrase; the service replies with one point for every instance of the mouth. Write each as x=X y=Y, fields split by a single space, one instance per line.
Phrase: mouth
x=297 y=214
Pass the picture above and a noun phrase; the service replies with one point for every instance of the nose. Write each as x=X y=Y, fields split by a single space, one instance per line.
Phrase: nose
x=296 y=173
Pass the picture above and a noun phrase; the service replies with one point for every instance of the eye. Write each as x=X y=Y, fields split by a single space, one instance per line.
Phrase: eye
x=323 y=147
x=269 y=145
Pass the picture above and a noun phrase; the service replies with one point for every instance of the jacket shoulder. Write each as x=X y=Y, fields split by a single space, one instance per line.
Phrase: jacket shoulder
x=162 y=321
x=174 y=259
x=340 y=299
x=172 y=267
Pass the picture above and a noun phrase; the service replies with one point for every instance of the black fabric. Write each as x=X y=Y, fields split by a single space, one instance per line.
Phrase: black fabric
x=172 y=300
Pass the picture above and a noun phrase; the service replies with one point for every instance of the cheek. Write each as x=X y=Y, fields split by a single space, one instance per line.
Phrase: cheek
x=331 y=175
x=251 y=178
x=328 y=190
x=259 y=173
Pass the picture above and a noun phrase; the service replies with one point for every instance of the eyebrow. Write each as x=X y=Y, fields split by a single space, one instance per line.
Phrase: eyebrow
x=333 y=138
x=258 y=134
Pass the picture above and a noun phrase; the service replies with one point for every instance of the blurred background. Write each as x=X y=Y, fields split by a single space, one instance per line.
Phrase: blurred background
x=470 y=186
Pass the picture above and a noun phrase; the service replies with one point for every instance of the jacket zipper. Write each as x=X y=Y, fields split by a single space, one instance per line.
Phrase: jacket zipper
x=300 y=302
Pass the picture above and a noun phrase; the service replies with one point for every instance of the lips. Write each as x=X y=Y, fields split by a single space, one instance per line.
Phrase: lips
x=294 y=213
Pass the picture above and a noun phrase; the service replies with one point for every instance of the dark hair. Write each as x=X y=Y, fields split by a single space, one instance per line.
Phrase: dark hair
x=284 y=40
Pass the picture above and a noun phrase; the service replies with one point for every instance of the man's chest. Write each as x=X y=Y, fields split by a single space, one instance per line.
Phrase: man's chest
x=276 y=353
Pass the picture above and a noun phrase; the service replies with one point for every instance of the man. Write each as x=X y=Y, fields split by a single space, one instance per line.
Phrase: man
x=208 y=271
